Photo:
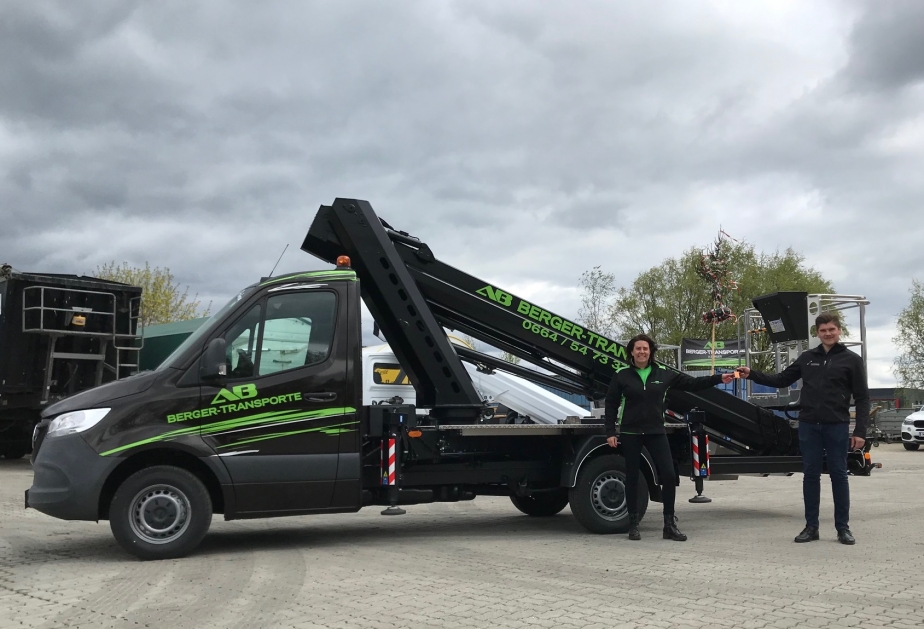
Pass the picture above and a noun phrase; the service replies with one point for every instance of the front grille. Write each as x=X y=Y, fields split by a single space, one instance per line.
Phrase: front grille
x=919 y=423
x=38 y=436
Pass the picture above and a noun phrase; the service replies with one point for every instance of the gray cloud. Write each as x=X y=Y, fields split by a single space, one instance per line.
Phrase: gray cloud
x=525 y=142
x=887 y=47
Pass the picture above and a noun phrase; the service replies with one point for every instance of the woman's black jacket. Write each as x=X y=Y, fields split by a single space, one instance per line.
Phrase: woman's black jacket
x=644 y=403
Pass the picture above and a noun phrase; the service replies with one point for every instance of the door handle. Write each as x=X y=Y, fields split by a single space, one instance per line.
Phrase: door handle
x=325 y=396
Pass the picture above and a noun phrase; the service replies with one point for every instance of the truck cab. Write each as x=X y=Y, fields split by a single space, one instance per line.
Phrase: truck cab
x=258 y=408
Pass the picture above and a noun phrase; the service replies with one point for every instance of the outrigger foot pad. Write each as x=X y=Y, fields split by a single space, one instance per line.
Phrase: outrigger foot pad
x=394 y=511
x=700 y=499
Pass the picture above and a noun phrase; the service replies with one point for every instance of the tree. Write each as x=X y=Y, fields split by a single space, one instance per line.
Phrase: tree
x=471 y=341
x=909 y=365
x=597 y=287
x=161 y=299
x=511 y=358
x=667 y=301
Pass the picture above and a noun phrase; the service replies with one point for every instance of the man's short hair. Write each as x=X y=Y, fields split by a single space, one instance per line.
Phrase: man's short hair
x=827 y=317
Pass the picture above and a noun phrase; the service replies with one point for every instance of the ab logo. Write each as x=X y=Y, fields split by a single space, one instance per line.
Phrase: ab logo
x=496 y=294
x=240 y=392
x=716 y=345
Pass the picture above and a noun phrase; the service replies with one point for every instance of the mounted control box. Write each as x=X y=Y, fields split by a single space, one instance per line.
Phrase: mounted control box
x=385 y=418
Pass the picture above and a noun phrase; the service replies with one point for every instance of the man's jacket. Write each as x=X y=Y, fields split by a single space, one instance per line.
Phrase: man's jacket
x=828 y=381
x=643 y=412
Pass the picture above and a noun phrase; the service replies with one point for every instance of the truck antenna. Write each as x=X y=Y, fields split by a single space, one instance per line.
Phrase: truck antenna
x=280 y=258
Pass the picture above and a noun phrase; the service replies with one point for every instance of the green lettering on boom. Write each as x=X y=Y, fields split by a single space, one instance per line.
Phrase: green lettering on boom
x=599 y=344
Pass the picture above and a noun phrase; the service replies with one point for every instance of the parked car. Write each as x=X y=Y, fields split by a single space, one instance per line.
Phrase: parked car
x=913 y=430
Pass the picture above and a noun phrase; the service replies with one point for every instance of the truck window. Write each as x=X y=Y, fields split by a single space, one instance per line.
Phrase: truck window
x=298 y=331
x=241 y=342
x=389 y=373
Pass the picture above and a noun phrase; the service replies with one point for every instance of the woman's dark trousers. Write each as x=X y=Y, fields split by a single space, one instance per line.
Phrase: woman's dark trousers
x=660 y=452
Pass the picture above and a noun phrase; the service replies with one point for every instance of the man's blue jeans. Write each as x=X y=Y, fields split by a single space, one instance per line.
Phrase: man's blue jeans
x=819 y=442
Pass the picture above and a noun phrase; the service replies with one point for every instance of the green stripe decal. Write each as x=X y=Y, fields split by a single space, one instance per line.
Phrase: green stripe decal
x=240 y=423
x=314 y=275
x=336 y=429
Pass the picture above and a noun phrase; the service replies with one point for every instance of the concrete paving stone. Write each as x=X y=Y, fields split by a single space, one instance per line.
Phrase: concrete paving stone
x=483 y=564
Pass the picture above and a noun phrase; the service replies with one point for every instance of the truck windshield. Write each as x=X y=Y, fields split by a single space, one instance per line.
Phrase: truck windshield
x=203 y=329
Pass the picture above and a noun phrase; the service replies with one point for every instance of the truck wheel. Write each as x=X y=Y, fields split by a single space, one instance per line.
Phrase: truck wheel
x=161 y=512
x=598 y=498
x=911 y=446
x=543 y=504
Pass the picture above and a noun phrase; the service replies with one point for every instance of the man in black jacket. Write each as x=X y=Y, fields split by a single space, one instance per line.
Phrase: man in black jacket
x=830 y=375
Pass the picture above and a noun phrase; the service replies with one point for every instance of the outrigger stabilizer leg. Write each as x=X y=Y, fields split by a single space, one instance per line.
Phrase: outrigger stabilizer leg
x=699 y=444
x=390 y=474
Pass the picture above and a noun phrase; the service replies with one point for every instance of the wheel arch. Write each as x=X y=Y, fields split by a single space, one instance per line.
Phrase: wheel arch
x=596 y=446
x=212 y=475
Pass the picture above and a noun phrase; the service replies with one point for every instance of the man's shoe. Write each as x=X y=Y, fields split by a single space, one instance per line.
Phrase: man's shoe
x=633 y=527
x=808 y=534
x=844 y=536
x=671 y=531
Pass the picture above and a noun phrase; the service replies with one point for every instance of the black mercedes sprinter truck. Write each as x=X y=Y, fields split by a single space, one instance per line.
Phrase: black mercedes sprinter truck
x=259 y=412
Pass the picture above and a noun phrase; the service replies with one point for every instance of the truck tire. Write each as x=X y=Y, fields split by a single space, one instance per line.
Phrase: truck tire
x=541 y=505
x=911 y=446
x=598 y=498
x=160 y=512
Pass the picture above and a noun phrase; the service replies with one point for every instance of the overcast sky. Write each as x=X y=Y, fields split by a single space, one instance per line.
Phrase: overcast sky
x=524 y=141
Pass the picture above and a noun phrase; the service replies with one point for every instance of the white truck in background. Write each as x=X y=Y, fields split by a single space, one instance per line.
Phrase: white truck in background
x=384 y=378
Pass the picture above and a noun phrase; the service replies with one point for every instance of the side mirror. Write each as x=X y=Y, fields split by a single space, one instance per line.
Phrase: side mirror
x=214 y=361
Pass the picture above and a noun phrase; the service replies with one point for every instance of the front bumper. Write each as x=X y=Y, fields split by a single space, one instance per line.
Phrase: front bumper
x=911 y=434
x=69 y=477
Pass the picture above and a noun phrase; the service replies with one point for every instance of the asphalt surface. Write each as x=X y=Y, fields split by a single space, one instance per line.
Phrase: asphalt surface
x=483 y=564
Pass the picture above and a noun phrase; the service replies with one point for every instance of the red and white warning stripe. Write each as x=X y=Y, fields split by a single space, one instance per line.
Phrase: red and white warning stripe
x=695 y=455
x=697 y=468
x=388 y=464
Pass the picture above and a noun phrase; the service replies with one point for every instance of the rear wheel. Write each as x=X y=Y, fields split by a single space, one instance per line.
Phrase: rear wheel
x=911 y=446
x=598 y=498
x=161 y=512
x=542 y=504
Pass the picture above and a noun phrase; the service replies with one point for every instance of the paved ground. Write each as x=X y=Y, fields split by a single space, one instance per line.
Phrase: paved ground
x=482 y=564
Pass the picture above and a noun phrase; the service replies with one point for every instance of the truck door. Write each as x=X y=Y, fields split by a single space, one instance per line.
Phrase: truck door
x=276 y=421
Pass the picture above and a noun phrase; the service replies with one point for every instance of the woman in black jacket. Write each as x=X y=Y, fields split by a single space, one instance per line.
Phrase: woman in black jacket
x=640 y=391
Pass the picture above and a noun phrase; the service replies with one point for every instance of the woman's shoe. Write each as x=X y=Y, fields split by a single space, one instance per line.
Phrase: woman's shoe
x=671 y=531
x=633 y=527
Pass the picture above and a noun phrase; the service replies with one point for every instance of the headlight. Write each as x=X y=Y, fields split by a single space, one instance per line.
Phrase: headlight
x=76 y=421
x=907 y=421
